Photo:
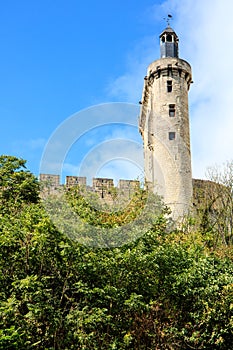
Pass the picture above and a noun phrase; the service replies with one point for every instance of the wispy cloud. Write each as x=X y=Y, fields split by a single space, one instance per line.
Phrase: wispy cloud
x=128 y=86
x=206 y=32
x=116 y=158
x=129 y=170
x=31 y=144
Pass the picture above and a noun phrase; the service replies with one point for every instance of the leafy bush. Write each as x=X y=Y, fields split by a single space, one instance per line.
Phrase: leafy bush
x=165 y=290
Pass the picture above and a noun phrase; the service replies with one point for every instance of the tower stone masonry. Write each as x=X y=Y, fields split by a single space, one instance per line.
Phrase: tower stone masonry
x=164 y=126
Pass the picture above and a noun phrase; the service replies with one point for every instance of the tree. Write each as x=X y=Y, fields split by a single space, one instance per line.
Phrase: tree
x=17 y=185
x=162 y=290
x=216 y=205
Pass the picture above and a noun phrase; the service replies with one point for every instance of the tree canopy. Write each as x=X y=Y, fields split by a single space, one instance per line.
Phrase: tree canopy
x=167 y=289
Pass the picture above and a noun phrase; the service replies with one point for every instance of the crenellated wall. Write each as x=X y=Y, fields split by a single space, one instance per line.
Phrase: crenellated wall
x=103 y=187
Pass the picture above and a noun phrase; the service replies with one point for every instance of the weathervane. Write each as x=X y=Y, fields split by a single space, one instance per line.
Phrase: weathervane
x=168 y=19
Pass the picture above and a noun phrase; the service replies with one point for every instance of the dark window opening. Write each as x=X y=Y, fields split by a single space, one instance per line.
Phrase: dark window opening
x=169 y=69
x=169 y=86
x=163 y=39
x=172 y=135
x=172 y=110
x=169 y=38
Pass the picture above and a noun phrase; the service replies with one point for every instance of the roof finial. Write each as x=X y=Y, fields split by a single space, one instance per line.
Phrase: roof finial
x=168 y=19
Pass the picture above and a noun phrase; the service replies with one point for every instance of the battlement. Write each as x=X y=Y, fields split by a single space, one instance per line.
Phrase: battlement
x=103 y=187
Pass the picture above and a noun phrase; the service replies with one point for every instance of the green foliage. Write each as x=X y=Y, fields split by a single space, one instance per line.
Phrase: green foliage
x=215 y=209
x=83 y=218
x=105 y=215
x=165 y=290
x=17 y=185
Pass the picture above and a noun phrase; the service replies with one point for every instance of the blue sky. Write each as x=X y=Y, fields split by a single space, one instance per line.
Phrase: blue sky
x=60 y=57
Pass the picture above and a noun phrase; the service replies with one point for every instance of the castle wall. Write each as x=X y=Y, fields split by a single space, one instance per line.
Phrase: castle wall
x=76 y=181
x=50 y=184
x=50 y=180
x=103 y=187
x=209 y=194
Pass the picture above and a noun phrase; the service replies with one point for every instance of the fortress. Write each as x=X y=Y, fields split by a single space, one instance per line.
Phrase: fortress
x=164 y=126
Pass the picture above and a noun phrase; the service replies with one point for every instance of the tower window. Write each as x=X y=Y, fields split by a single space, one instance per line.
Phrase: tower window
x=172 y=110
x=169 y=86
x=169 y=70
x=171 y=135
x=169 y=38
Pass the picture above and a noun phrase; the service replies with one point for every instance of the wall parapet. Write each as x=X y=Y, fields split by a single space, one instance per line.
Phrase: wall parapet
x=103 y=187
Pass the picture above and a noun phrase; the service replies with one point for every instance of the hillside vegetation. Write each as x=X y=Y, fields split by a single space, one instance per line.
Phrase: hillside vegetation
x=166 y=289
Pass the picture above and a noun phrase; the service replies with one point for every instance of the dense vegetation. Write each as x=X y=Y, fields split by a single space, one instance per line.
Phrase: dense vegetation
x=168 y=289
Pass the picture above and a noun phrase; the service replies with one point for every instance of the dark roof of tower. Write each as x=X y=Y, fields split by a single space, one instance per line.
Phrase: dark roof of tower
x=168 y=30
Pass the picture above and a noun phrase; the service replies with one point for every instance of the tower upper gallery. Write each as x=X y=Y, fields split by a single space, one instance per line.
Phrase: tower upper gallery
x=169 y=43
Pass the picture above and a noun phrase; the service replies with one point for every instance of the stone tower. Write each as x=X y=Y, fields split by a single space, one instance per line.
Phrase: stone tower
x=164 y=125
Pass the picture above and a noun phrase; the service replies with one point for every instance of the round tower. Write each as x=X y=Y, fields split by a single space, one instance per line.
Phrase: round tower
x=164 y=125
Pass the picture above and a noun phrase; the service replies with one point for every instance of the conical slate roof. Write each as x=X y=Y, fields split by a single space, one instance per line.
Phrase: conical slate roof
x=168 y=30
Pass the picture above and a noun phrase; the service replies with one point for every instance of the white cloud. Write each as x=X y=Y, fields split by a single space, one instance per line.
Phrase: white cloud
x=101 y=160
x=70 y=169
x=115 y=152
x=128 y=170
x=128 y=86
x=205 y=32
x=31 y=145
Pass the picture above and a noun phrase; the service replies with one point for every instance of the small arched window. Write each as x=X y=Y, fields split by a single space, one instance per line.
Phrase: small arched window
x=169 y=38
x=163 y=39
